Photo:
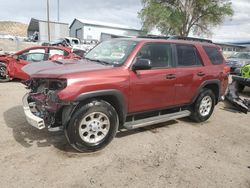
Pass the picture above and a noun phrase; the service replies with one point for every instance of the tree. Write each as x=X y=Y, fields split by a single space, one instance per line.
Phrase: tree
x=180 y=17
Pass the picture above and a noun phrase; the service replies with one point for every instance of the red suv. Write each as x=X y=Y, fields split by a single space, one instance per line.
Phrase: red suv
x=125 y=83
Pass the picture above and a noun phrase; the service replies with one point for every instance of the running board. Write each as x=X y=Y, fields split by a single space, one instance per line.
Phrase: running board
x=156 y=119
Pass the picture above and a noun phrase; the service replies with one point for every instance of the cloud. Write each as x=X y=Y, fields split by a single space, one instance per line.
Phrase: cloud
x=237 y=28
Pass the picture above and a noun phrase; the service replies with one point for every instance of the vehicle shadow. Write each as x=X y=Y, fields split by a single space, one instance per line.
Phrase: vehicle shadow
x=29 y=136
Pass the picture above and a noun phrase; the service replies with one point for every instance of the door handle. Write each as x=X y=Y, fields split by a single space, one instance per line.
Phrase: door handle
x=201 y=74
x=170 y=76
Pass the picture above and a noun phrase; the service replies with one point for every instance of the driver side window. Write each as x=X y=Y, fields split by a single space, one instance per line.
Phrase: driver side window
x=159 y=54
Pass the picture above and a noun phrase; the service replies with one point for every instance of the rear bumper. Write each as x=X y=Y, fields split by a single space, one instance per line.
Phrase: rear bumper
x=33 y=120
x=242 y=80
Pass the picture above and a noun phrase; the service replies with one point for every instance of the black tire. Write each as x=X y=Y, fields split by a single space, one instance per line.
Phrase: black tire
x=196 y=112
x=3 y=68
x=240 y=87
x=72 y=131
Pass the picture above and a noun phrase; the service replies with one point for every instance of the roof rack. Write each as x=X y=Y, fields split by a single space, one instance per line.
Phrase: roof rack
x=190 y=38
x=153 y=37
x=176 y=38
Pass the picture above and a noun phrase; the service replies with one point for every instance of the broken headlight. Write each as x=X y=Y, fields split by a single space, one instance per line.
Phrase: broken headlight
x=57 y=84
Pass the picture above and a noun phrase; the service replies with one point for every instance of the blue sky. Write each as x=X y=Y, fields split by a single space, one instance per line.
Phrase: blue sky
x=117 y=11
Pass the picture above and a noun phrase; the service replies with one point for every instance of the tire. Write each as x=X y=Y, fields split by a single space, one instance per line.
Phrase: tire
x=203 y=106
x=6 y=77
x=92 y=126
x=240 y=87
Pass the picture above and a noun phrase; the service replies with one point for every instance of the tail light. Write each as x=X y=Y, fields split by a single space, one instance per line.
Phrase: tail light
x=226 y=70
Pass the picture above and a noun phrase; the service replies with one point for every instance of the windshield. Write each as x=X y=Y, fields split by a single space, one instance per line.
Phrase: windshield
x=241 y=56
x=113 y=52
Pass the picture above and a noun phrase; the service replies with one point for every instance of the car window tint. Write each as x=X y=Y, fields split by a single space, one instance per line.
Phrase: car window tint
x=56 y=52
x=187 y=55
x=159 y=54
x=39 y=50
x=214 y=55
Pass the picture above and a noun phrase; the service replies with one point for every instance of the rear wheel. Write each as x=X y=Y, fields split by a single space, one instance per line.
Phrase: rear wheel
x=204 y=106
x=4 y=77
x=92 y=126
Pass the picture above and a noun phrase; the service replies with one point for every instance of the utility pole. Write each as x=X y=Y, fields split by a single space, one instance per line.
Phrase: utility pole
x=48 y=20
x=58 y=10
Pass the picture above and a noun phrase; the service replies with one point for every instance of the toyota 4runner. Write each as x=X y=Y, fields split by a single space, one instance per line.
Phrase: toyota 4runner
x=124 y=83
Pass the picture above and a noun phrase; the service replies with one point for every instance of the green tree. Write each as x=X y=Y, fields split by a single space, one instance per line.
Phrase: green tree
x=180 y=17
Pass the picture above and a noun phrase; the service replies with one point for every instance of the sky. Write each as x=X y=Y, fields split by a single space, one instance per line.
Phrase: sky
x=117 y=11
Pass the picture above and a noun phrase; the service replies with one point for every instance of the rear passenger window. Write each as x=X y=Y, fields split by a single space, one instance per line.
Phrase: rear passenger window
x=214 y=55
x=159 y=54
x=187 y=56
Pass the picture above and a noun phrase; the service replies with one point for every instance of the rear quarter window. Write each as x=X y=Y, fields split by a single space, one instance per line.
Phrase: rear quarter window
x=214 y=55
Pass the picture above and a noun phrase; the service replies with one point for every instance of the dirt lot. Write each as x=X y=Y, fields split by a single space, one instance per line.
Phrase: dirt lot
x=175 y=154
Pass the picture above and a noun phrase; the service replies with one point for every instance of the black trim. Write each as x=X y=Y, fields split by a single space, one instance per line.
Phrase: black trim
x=109 y=92
x=206 y=83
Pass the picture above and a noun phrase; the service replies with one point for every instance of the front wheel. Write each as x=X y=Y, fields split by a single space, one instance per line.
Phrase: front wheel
x=92 y=126
x=204 y=106
x=4 y=77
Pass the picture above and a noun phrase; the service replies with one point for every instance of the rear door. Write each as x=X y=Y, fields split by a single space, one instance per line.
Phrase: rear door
x=154 y=88
x=190 y=73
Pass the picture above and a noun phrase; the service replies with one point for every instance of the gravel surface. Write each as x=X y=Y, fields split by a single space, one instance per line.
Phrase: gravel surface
x=174 y=154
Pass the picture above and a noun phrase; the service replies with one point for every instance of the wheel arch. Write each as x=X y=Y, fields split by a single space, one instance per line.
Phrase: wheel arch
x=112 y=96
x=213 y=85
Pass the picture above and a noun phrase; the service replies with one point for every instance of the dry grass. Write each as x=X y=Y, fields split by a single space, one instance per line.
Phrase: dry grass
x=13 y=28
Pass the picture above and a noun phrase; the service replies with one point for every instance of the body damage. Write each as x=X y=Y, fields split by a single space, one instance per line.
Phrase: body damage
x=141 y=90
x=12 y=64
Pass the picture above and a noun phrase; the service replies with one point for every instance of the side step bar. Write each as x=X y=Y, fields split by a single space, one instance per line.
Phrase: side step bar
x=156 y=119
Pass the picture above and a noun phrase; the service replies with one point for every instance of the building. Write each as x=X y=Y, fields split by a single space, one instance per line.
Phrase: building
x=95 y=30
x=38 y=30
x=229 y=48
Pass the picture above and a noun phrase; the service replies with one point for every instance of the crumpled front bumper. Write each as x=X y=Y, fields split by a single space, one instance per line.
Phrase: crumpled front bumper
x=32 y=119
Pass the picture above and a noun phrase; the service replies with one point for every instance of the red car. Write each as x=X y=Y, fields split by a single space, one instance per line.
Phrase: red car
x=125 y=83
x=11 y=65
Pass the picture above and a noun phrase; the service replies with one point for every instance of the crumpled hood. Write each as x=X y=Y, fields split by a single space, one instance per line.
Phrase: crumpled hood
x=54 y=69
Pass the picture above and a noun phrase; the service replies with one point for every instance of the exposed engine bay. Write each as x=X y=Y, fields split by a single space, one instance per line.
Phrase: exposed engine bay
x=43 y=100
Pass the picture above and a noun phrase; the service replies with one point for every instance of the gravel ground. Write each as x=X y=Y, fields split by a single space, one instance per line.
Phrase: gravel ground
x=174 y=154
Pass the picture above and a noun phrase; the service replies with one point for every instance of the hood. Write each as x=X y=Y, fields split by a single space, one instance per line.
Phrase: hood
x=54 y=69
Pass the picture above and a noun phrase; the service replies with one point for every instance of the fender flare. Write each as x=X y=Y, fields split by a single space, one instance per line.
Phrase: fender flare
x=206 y=83
x=121 y=106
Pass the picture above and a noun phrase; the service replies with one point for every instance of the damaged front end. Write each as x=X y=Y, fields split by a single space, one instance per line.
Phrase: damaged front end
x=42 y=106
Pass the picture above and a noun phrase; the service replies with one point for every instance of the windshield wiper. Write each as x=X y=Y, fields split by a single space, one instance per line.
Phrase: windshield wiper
x=99 y=61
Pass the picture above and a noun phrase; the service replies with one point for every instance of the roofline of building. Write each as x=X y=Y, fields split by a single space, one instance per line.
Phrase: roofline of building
x=113 y=27
x=229 y=44
x=49 y=21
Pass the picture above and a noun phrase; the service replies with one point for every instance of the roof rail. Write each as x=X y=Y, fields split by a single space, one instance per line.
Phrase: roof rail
x=190 y=38
x=175 y=38
x=153 y=37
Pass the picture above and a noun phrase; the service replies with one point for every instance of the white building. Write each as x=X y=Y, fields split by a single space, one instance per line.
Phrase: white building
x=57 y=30
x=95 y=30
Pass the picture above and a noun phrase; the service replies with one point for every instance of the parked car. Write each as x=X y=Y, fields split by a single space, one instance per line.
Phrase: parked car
x=11 y=65
x=125 y=83
x=237 y=61
x=243 y=79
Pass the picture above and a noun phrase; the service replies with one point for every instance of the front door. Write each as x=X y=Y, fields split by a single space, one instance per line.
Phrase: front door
x=154 y=88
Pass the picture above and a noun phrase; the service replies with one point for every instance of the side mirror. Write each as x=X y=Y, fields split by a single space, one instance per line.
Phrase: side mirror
x=141 y=64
